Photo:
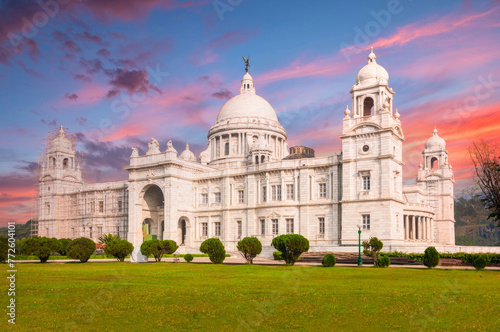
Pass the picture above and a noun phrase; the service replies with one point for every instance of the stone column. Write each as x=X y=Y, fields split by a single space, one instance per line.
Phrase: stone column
x=413 y=228
x=405 y=226
x=417 y=228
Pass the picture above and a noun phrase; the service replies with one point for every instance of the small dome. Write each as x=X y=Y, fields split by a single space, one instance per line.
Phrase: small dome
x=61 y=141
x=187 y=154
x=372 y=72
x=435 y=142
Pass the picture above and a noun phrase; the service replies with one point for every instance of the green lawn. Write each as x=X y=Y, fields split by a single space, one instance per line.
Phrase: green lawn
x=166 y=296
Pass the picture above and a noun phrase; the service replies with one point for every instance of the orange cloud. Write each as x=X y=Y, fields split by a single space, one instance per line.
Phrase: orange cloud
x=413 y=31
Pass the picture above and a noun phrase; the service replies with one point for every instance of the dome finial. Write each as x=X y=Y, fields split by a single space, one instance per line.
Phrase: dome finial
x=247 y=63
x=371 y=57
x=61 y=131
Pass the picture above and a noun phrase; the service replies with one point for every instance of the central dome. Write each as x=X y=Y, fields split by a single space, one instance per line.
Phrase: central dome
x=247 y=104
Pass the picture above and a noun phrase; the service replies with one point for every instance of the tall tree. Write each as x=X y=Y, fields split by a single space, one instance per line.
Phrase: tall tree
x=485 y=158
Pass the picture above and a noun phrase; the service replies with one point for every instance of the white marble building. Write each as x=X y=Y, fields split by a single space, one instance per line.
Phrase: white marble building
x=247 y=184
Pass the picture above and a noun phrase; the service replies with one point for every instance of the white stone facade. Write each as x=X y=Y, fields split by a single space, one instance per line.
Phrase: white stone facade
x=246 y=184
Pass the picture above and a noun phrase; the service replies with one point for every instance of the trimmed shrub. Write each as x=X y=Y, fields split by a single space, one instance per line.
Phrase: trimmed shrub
x=479 y=263
x=372 y=248
x=119 y=248
x=4 y=248
x=214 y=249
x=383 y=261
x=188 y=258
x=152 y=247
x=329 y=260
x=249 y=247
x=291 y=246
x=431 y=257
x=41 y=247
x=277 y=255
x=169 y=246
x=63 y=246
x=81 y=249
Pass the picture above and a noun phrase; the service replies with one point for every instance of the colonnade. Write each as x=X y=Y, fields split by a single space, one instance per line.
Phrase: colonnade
x=418 y=228
x=237 y=144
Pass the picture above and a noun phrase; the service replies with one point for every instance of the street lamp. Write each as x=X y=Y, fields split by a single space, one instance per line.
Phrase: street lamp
x=360 y=261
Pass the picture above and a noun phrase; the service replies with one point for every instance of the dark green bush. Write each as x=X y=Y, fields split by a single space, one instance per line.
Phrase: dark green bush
x=170 y=246
x=41 y=247
x=249 y=247
x=372 y=248
x=188 y=258
x=277 y=255
x=4 y=248
x=383 y=261
x=329 y=260
x=480 y=263
x=81 y=249
x=214 y=249
x=119 y=248
x=291 y=246
x=431 y=257
x=152 y=247
x=63 y=246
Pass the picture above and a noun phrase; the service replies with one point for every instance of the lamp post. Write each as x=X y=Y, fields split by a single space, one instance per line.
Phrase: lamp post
x=360 y=261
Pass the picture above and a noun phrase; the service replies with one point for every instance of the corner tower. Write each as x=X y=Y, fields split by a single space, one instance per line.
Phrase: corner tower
x=372 y=141
x=436 y=178
x=60 y=173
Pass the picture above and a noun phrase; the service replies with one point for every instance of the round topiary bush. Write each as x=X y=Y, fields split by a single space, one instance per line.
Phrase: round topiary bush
x=188 y=258
x=152 y=247
x=119 y=248
x=249 y=247
x=215 y=250
x=277 y=255
x=41 y=247
x=383 y=261
x=291 y=246
x=479 y=263
x=329 y=260
x=431 y=257
x=81 y=249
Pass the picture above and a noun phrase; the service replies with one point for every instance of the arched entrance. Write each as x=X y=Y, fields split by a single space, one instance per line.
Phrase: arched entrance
x=152 y=211
x=183 y=231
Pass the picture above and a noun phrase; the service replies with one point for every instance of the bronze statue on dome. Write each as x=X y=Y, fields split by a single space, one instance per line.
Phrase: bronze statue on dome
x=247 y=63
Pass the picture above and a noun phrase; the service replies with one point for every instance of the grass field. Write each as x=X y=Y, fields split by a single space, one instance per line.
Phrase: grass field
x=166 y=296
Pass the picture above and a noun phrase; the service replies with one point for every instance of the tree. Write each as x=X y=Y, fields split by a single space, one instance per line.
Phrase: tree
x=431 y=257
x=63 y=246
x=215 y=250
x=108 y=238
x=81 y=249
x=291 y=247
x=119 y=248
x=249 y=247
x=485 y=158
x=41 y=247
x=4 y=248
x=372 y=248
x=158 y=248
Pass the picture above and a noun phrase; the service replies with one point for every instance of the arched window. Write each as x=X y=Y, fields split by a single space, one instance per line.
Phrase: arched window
x=53 y=162
x=368 y=107
x=226 y=149
x=434 y=163
x=256 y=160
x=262 y=159
x=65 y=163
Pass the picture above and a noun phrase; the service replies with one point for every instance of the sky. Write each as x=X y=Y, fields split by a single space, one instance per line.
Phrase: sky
x=117 y=72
